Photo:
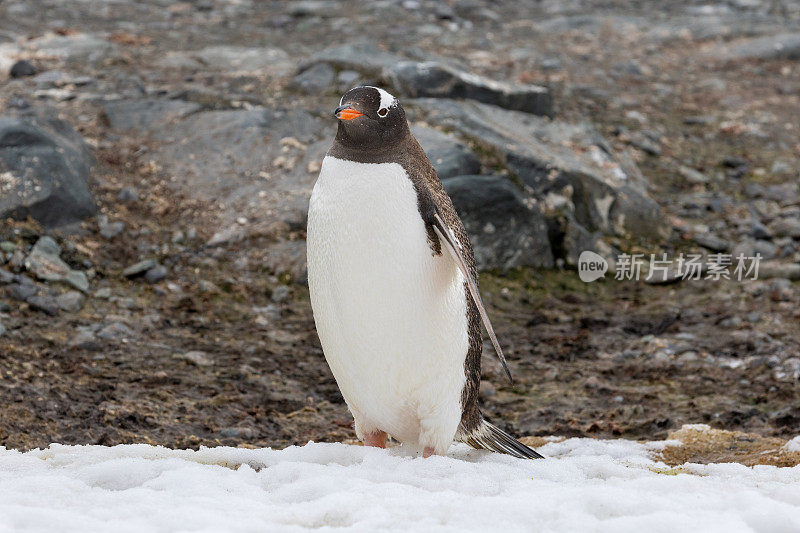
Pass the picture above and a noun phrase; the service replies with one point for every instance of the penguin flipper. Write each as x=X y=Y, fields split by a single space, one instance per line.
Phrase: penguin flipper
x=448 y=239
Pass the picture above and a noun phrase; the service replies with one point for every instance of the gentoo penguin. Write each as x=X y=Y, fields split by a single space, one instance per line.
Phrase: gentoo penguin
x=394 y=287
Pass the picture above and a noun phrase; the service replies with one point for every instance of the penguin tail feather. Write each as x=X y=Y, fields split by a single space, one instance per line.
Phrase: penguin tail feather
x=490 y=437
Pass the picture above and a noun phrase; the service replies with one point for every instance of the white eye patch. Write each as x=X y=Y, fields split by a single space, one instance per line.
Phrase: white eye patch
x=387 y=101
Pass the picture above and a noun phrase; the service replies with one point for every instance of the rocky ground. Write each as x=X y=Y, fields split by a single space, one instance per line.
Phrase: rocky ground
x=156 y=160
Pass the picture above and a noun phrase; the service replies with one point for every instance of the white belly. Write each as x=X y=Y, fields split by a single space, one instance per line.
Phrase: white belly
x=390 y=315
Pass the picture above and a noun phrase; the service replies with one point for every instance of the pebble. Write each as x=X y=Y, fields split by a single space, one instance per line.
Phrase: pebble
x=43 y=261
x=2 y=329
x=7 y=246
x=692 y=176
x=109 y=230
x=787 y=227
x=207 y=286
x=22 y=291
x=712 y=242
x=156 y=274
x=78 y=280
x=21 y=69
x=104 y=293
x=759 y=230
x=115 y=331
x=234 y=433
x=196 y=358
x=71 y=301
x=128 y=195
x=85 y=339
x=280 y=294
x=46 y=304
x=754 y=317
x=139 y=269
x=640 y=141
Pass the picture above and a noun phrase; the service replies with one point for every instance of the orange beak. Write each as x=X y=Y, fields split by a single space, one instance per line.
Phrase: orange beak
x=346 y=112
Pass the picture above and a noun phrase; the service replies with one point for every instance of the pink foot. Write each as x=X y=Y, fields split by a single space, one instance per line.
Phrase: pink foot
x=427 y=452
x=377 y=439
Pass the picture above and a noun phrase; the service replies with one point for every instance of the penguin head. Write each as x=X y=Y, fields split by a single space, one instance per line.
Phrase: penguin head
x=370 y=119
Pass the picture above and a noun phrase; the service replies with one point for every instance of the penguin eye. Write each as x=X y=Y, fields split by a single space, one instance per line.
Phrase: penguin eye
x=382 y=112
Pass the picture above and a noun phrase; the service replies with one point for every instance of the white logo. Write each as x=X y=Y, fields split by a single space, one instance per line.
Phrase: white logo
x=591 y=266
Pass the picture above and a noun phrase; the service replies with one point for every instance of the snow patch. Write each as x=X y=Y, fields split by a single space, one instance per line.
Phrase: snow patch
x=584 y=485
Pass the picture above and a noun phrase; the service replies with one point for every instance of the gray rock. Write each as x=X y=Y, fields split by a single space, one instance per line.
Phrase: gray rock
x=238 y=432
x=505 y=231
x=449 y=156
x=197 y=358
x=144 y=115
x=46 y=304
x=139 y=269
x=576 y=240
x=281 y=294
x=271 y=313
x=366 y=58
x=78 y=48
x=731 y=322
x=759 y=230
x=754 y=190
x=109 y=230
x=645 y=144
x=22 y=69
x=711 y=242
x=116 y=331
x=22 y=291
x=78 y=280
x=312 y=8
x=780 y=46
x=6 y=276
x=777 y=269
x=2 y=329
x=47 y=246
x=606 y=188
x=156 y=274
x=692 y=176
x=43 y=261
x=128 y=195
x=71 y=301
x=240 y=60
x=288 y=257
x=787 y=227
x=766 y=249
x=104 y=293
x=44 y=165
x=347 y=79
x=432 y=79
x=85 y=339
x=314 y=80
x=785 y=192
x=189 y=151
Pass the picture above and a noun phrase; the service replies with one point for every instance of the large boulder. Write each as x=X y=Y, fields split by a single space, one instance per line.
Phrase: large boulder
x=365 y=57
x=257 y=163
x=231 y=60
x=414 y=79
x=78 y=48
x=546 y=156
x=146 y=114
x=780 y=46
x=449 y=156
x=44 y=165
x=505 y=230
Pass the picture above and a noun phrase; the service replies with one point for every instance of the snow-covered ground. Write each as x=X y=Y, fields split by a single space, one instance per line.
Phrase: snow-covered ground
x=584 y=485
